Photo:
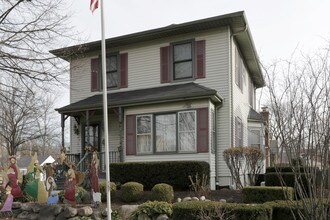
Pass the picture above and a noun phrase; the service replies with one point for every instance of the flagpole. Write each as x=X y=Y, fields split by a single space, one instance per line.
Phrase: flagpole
x=105 y=114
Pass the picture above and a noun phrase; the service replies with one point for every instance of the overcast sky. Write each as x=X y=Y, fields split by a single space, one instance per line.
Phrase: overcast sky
x=277 y=27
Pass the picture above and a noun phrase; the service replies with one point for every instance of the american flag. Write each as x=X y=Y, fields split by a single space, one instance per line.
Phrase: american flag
x=94 y=5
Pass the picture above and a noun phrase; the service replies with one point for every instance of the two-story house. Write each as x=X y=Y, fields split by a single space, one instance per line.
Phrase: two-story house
x=180 y=92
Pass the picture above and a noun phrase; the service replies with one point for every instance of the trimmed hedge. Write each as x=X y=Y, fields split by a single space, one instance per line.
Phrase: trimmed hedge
x=259 y=194
x=272 y=179
x=286 y=169
x=162 y=192
x=131 y=192
x=103 y=190
x=285 y=210
x=174 y=173
x=214 y=210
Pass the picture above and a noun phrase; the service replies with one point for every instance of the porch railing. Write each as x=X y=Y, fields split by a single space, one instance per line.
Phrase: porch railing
x=114 y=157
x=77 y=159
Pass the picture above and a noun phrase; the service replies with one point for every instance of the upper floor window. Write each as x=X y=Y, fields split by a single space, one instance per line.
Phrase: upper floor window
x=116 y=69
x=182 y=61
x=112 y=71
x=239 y=66
x=251 y=93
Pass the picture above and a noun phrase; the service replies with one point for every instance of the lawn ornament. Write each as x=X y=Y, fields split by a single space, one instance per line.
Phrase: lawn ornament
x=5 y=211
x=94 y=179
x=94 y=172
x=70 y=187
x=13 y=174
x=34 y=186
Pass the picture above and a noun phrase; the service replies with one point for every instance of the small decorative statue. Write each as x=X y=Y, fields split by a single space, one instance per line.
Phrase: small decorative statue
x=6 y=208
x=35 y=187
x=14 y=174
x=3 y=184
x=94 y=178
x=50 y=186
x=70 y=187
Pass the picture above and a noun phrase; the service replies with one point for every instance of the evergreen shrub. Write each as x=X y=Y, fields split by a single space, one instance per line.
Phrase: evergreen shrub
x=131 y=191
x=174 y=173
x=162 y=192
x=259 y=194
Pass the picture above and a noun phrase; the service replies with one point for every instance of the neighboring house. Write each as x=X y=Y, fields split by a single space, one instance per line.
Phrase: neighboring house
x=181 y=92
x=24 y=161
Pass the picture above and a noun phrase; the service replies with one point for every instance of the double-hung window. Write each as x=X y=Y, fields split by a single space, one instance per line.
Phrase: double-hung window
x=112 y=71
x=183 y=61
x=254 y=137
x=144 y=134
x=187 y=131
x=239 y=66
x=165 y=132
x=238 y=132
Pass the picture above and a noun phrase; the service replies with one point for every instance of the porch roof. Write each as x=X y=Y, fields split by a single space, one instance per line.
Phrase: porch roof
x=155 y=95
x=254 y=116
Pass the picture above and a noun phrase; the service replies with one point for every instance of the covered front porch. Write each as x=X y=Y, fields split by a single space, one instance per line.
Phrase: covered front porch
x=87 y=133
x=86 y=117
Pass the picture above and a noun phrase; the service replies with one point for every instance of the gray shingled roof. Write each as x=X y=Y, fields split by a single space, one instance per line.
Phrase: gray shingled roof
x=254 y=116
x=162 y=94
x=24 y=161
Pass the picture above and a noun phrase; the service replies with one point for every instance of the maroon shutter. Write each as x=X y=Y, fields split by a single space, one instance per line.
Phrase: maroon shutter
x=95 y=79
x=165 y=64
x=123 y=70
x=202 y=130
x=200 y=59
x=130 y=135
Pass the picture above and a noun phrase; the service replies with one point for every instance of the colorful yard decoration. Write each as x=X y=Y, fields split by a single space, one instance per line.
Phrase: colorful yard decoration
x=94 y=178
x=34 y=186
x=14 y=175
x=6 y=208
x=70 y=187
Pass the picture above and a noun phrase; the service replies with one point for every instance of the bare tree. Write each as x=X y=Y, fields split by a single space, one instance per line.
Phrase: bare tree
x=23 y=116
x=299 y=98
x=28 y=30
x=244 y=163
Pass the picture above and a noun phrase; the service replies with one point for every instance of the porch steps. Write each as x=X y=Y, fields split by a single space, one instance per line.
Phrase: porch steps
x=60 y=182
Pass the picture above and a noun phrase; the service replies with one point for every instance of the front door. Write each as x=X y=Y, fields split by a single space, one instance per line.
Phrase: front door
x=92 y=137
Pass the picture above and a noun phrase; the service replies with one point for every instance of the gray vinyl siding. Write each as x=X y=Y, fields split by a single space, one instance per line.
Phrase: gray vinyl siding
x=240 y=100
x=144 y=72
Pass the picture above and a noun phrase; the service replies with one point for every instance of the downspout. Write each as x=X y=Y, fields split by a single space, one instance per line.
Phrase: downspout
x=121 y=134
x=216 y=147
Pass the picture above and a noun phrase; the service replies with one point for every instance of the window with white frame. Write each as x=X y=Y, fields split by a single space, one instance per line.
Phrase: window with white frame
x=254 y=137
x=238 y=132
x=144 y=134
x=168 y=132
x=187 y=131
x=165 y=132
x=239 y=66
x=182 y=61
x=251 y=93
